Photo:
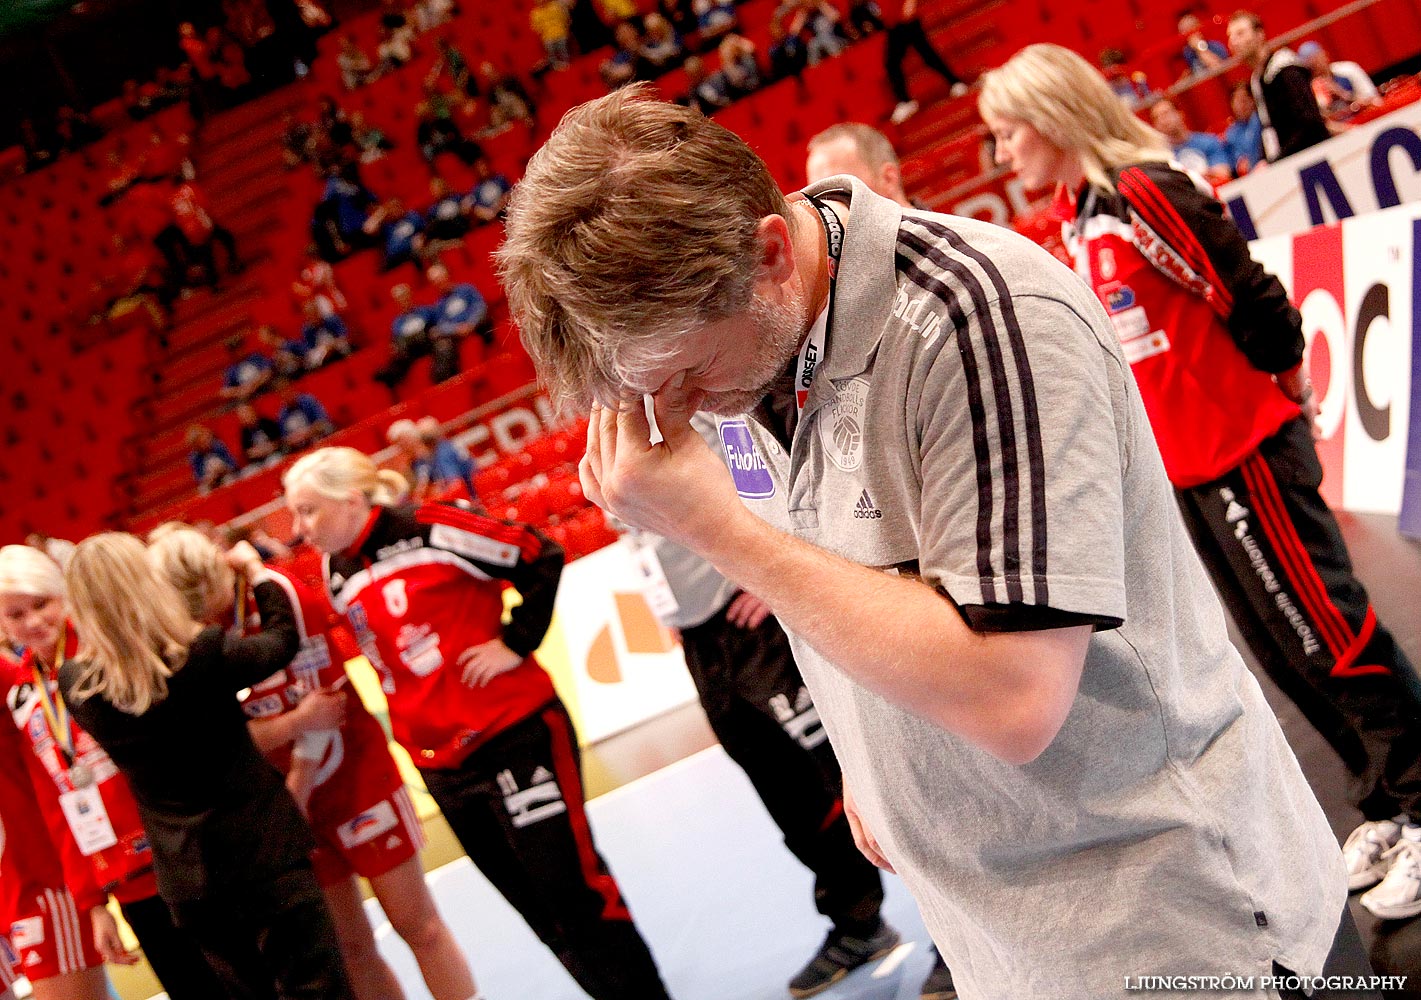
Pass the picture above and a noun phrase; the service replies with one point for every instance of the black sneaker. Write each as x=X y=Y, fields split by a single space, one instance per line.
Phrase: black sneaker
x=938 y=985
x=841 y=954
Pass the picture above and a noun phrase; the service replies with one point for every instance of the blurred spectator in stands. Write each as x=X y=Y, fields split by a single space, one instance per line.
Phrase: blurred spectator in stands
x=412 y=337
x=324 y=336
x=661 y=47
x=490 y=194
x=625 y=64
x=303 y=420
x=395 y=48
x=508 y=100
x=1131 y=87
x=137 y=278
x=714 y=19
x=1200 y=54
x=203 y=64
x=136 y=104
x=355 y=66
x=436 y=131
x=615 y=12
x=452 y=61
x=1244 y=136
x=248 y=375
x=706 y=92
x=370 y=142
x=448 y=216
x=788 y=55
x=212 y=464
x=338 y=225
x=58 y=549
x=313 y=15
x=865 y=17
x=861 y=151
x=167 y=157
x=227 y=58
x=334 y=137
x=817 y=22
x=38 y=151
x=437 y=465
x=73 y=129
x=317 y=283
x=430 y=14
x=461 y=309
x=1342 y=88
x=552 y=23
x=738 y=65
x=202 y=232
x=680 y=16
x=261 y=438
x=1201 y=152
x=288 y=357
x=1282 y=90
x=399 y=232
x=297 y=141
x=905 y=32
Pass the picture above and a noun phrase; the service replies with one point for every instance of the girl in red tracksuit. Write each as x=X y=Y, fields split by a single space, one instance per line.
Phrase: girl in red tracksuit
x=338 y=766
x=423 y=589
x=1216 y=349
x=43 y=933
x=86 y=804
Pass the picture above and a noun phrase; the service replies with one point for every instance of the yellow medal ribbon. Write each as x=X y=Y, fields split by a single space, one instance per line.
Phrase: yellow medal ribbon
x=56 y=714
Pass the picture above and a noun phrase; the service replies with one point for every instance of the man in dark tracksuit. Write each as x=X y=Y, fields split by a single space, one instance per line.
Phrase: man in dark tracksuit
x=1282 y=90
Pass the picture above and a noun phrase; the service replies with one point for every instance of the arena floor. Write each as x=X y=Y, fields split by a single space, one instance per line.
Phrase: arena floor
x=725 y=907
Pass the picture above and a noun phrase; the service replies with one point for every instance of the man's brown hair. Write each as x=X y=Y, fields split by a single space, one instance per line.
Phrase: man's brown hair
x=634 y=225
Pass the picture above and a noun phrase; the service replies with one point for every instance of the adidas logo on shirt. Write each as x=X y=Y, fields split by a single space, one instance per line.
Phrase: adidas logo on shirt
x=865 y=507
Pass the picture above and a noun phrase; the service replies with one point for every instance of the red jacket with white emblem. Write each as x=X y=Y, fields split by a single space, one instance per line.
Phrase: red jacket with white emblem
x=422 y=585
x=1202 y=324
x=357 y=764
x=125 y=866
x=29 y=864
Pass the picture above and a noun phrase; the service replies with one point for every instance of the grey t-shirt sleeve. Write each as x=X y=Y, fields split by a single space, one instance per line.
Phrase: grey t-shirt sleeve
x=1022 y=468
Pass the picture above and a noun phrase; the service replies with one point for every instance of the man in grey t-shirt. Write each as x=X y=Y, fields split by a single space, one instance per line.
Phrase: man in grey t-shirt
x=938 y=473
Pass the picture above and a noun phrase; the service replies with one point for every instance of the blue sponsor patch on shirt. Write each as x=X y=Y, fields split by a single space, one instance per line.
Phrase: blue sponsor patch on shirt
x=751 y=474
x=1119 y=299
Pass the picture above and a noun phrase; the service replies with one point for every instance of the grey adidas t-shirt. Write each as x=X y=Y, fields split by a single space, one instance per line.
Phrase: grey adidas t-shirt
x=973 y=421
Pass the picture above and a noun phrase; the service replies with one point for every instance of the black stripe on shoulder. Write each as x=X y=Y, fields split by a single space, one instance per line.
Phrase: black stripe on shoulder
x=1036 y=462
x=914 y=272
x=928 y=250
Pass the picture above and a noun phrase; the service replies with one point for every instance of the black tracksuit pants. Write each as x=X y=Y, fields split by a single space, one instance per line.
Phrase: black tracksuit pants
x=1278 y=560
x=516 y=805
x=172 y=951
x=272 y=941
x=759 y=709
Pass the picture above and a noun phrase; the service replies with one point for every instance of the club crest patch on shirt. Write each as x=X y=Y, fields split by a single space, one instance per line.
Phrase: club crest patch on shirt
x=747 y=466
x=841 y=425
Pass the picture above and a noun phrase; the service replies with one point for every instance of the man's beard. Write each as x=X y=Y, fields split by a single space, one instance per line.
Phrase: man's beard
x=778 y=329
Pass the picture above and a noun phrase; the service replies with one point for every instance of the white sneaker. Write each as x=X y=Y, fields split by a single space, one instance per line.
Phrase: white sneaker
x=1399 y=894
x=959 y=89
x=903 y=112
x=1364 y=850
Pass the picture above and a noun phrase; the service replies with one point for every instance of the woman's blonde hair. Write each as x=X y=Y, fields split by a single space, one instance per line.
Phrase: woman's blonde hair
x=134 y=629
x=340 y=473
x=1066 y=99
x=193 y=564
x=29 y=572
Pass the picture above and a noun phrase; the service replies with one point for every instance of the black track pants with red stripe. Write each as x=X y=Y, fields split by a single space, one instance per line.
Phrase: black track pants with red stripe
x=1278 y=560
x=516 y=805
x=760 y=711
